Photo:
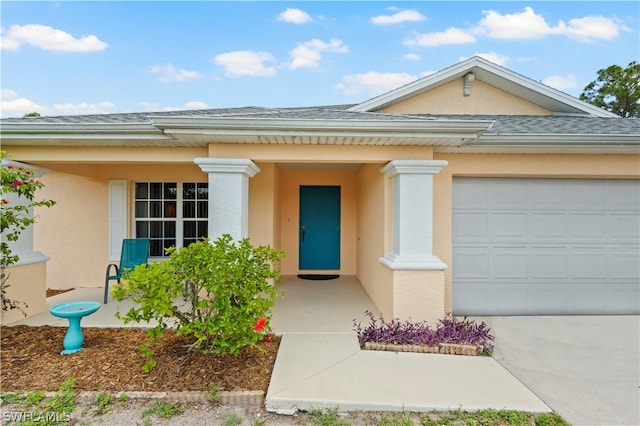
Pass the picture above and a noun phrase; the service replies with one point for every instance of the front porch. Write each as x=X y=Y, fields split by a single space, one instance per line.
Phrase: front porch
x=308 y=307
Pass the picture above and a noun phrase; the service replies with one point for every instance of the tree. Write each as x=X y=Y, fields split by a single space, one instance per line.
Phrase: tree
x=20 y=182
x=33 y=114
x=617 y=90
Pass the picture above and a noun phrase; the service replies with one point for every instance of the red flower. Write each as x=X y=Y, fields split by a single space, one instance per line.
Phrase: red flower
x=260 y=324
x=16 y=183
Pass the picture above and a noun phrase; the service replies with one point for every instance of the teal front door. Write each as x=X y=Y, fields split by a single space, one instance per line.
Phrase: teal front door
x=319 y=236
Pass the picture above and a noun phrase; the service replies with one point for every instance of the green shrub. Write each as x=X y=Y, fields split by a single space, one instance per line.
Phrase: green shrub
x=219 y=292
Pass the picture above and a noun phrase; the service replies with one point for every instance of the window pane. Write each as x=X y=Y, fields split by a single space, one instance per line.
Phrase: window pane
x=142 y=209
x=169 y=229
x=170 y=191
x=169 y=243
x=142 y=190
x=155 y=208
x=155 y=248
x=189 y=229
x=142 y=229
x=155 y=190
x=187 y=241
x=203 y=191
x=155 y=229
x=169 y=209
x=203 y=209
x=203 y=228
x=189 y=209
x=188 y=191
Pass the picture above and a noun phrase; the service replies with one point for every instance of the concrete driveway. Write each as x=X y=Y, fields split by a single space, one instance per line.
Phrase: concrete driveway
x=586 y=368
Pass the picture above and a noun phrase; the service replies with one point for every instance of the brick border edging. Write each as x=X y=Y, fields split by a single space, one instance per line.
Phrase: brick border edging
x=441 y=348
x=240 y=398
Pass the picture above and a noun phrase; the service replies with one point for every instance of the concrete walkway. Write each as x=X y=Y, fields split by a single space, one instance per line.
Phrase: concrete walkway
x=320 y=364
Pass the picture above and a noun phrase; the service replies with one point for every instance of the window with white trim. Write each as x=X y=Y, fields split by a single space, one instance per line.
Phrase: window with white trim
x=171 y=214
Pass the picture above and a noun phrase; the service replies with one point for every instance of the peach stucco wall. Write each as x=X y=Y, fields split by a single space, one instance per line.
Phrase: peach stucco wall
x=449 y=99
x=27 y=286
x=75 y=232
x=374 y=236
x=521 y=166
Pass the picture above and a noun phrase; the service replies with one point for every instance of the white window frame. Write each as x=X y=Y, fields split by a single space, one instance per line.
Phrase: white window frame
x=179 y=219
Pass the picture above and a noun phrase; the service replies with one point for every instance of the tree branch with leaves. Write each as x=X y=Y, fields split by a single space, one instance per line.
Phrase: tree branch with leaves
x=616 y=89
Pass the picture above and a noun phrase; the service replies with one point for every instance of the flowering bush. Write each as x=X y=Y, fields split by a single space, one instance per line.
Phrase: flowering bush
x=448 y=330
x=220 y=292
x=20 y=182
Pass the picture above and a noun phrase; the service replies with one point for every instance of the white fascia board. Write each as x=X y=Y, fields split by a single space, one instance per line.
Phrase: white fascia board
x=319 y=126
x=13 y=131
x=565 y=139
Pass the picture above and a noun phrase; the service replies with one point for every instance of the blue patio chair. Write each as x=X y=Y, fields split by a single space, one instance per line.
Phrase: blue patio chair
x=135 y=251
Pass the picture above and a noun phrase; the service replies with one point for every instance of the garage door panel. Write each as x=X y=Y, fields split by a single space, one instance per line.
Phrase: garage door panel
x=624 y=227
x=585 y=263
x=546 y=246
x=587 y=227
x=548 y=227
x=547 y=194
x=471 y=194
x=474 y=263
x=623 y=195
x=507 y=194
x=549 y=263
x=507 y=226
x=473 y=227
x=625 y=264
x=509 y=263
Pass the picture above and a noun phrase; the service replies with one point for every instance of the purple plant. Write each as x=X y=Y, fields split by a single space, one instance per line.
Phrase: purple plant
x=448 y=330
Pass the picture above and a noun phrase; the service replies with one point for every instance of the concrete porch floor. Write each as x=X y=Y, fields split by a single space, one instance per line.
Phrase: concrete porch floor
x=320 y=363
x=324 y=306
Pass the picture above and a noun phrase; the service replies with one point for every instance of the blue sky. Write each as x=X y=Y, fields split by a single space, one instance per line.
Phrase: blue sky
x=67 y=57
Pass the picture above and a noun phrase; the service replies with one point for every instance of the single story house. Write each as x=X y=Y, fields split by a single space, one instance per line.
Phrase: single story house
x=474 y=190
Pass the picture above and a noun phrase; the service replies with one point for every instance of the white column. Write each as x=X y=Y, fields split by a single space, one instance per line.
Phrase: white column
x=23 y=248
x=413 y=214
x=228 y=195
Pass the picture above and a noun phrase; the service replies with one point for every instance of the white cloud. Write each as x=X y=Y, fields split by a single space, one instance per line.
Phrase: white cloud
x=8 y=94
x=411 y=57
x=398 y=18
x=18 y=107
x=449 y=36
x=529 y=25
x=246 y=62
x=592 y=27
x=48 y=38
x=523 y=25
x=309 y=54
x=561 y=82
x=168 y=73
x=84 y=108
x=492 y=57
x=294 y=16
x=372 y=83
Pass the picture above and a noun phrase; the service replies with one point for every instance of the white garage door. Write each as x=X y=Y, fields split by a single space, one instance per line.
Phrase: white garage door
x=546 y=246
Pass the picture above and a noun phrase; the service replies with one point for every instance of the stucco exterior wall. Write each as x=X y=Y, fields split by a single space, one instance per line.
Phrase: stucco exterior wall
x=449 y=99
x=374 y=236
x=27 y=284
x=520 y=166
x=264 y=206
x=290 y=182
x=75 y=232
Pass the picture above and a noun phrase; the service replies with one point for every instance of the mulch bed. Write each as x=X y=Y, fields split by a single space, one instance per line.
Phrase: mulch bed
x=55 y=292
x=110 y=361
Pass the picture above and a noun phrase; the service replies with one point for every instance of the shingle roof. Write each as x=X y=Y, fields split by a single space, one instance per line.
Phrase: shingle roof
x=503 y=124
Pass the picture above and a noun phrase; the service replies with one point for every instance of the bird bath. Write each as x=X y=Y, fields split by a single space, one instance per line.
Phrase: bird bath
x=74 y=312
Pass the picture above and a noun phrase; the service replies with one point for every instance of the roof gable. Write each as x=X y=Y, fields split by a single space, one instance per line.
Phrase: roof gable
x=480 y=69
